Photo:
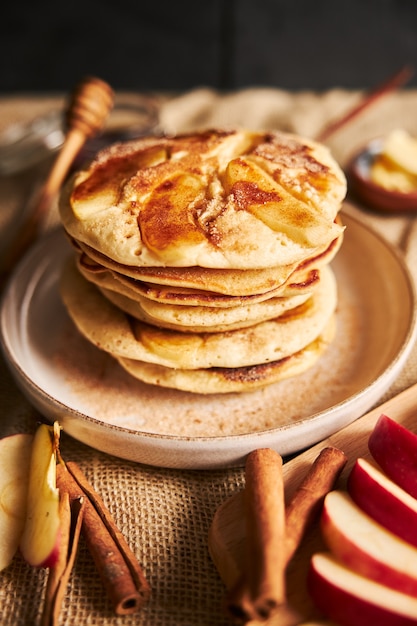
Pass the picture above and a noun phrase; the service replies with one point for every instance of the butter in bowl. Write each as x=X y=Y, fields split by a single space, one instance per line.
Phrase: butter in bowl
x=383 y=175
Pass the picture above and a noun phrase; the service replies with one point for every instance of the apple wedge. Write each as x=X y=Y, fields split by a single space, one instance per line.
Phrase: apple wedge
x=256 y=191
x=164 y=220
x=39 y=544
x=354 y=600
x=383 y=500
x=99 y=189
x=14 y=474
x=367 y=547
x=394 y=448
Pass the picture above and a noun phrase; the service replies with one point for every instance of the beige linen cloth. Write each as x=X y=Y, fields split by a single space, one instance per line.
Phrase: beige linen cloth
x=165 y=514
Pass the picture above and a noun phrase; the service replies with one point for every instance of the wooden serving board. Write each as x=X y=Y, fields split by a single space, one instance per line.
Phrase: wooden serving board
x=227 y=531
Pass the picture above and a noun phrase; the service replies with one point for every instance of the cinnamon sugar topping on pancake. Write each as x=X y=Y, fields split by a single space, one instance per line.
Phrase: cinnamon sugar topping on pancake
x=236 y=200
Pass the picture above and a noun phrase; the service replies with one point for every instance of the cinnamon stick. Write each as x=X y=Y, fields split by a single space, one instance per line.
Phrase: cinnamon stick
x=272 y=536
x=121 y=574
x=261 y=589
x=307 y=500
x=58 y=576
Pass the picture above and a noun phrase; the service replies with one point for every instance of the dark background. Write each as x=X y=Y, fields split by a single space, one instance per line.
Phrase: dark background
x=177 y=45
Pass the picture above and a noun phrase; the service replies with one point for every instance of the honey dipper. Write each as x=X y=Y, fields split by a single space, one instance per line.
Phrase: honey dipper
x=88 y=108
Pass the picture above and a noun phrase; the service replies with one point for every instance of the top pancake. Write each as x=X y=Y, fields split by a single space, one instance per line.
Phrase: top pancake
x=234 y=200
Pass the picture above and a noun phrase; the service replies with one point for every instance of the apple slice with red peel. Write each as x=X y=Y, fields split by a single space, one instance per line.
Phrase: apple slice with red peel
x=367 y=547
x=14 y=473
x=40 y=540
x=354 y=600
x=394 y=448
x=383 y=500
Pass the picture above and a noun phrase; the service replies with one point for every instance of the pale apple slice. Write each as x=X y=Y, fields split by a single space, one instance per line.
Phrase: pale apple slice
x=394 y=448
x=100 y=188
x=367 y=547
x=14 y=474
x=256 y=191
x=40 y=540
x=354 y=600
x=381 y=498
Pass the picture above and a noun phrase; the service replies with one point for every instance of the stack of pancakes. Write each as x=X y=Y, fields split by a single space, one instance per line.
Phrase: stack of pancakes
x=202 y=261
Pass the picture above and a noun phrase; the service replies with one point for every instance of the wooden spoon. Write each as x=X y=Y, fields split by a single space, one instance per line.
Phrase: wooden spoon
x=87 y=110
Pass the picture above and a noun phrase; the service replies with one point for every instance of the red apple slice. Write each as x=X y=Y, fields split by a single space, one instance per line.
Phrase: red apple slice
x=14 y=473
x=40 y=540
x=367 y=547
x=394 y=448
x=382 y=499
x=354 y=600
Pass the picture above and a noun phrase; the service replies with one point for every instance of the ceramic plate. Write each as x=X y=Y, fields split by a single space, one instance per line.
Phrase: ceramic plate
x=99 y=404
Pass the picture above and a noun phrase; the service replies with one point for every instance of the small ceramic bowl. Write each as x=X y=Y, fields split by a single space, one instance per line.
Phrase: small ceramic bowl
x=371 y=194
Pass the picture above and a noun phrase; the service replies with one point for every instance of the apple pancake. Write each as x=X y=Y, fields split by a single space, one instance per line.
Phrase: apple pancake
x=117 y=333
x=216 y=199
x=258 y=284
x=201 y=261
x=301 y=281
x=232 y=380
x=203 y=319
x=182 y=312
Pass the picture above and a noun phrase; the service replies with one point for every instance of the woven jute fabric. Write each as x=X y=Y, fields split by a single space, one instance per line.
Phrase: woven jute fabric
x=165 y=514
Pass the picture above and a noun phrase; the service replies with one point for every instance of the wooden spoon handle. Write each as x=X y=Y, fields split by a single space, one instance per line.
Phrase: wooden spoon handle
x=87 y=110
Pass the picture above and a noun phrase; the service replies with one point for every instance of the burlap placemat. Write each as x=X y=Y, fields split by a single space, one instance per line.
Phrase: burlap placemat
x=165 y=514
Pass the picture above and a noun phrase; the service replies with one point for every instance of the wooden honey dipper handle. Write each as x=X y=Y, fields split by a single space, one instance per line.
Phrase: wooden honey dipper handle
x=87 y=111
x=88 y=108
